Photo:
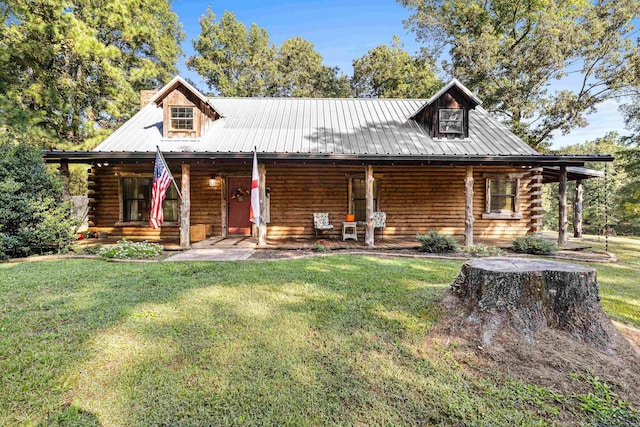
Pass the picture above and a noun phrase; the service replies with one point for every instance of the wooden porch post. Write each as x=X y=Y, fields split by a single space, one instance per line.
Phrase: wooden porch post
x=562 y=206
x=185 y=207
x=64 y=173
x=223 y=205
x=577 y=209
x=262 y=190
x=368 y=238
x=468 y=207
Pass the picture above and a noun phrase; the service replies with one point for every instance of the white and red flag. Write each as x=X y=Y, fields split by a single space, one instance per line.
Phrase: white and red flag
x=254 y=216
x=161 y=181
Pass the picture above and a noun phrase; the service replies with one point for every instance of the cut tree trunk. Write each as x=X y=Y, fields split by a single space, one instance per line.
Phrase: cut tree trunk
x=528 y=295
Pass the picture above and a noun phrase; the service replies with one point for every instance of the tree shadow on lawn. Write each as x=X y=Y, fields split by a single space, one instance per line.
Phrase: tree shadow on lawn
x=321 y=341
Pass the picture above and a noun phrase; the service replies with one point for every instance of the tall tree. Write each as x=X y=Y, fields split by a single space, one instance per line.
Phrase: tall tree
x=391 y=72
x=510 y=53
x=302 y=74
x=75 y=67
x=631 y=156
x=237 y=62
x=614 y=199
x=232 y=60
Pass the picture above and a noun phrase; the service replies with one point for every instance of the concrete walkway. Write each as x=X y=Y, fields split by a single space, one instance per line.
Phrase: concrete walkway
x=218 y=249
x=213 y=254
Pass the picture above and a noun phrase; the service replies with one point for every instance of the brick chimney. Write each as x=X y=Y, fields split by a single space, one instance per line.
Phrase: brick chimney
x=145 y=97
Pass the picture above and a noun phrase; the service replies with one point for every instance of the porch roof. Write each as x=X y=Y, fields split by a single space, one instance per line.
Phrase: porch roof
x=552 y=173
x=55 y=156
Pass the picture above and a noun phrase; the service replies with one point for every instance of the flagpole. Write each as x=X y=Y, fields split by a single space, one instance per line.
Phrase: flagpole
x=169 y=170
x=255 y=215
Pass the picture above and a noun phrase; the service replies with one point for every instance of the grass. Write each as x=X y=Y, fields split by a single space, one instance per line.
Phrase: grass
x=620 y=281
x=323 y=341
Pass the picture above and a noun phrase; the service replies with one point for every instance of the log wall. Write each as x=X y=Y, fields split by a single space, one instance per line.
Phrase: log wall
x=417 y=199
x=105 y=201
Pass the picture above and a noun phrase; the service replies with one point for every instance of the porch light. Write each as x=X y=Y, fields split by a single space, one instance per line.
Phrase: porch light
x=213 y=181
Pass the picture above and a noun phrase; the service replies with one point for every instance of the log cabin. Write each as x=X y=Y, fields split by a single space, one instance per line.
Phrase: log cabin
x=442 y=163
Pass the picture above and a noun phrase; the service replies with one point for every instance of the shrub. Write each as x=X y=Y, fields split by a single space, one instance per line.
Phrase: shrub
x=318 y=247
x=126 y=249
x=91 y=249
x=32 y=219
x=481 y=250
x=435 y=243
x=534 y=245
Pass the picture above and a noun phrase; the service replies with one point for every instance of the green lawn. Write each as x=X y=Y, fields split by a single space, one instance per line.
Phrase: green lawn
x=338 y=340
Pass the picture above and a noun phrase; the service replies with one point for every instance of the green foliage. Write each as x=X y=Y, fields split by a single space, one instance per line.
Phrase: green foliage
x=534 y=245
x=232 y=61
x=436 y=243
x=301 y=73
x=32 y=219
x=604 y=405
x=78 y=180
x=90 y=249
x=627 y=202
x=510 y=53
x=481 y=250
x=74 y=68
x=318 y=247
x=126 y=249
x=614 y=199
x=390 y=72
x=237 y=62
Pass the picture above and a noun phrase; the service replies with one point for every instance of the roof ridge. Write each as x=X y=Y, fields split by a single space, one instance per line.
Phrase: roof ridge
x=257 y=98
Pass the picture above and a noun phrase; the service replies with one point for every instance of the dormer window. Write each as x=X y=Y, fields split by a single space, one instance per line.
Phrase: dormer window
x=451 y=120
x=446 y=114
x=181 y=118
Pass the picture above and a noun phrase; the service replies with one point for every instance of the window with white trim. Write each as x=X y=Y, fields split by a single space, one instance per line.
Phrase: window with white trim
x=451 y=120
x=136 y=200
x=181 y=118
x=502 y=195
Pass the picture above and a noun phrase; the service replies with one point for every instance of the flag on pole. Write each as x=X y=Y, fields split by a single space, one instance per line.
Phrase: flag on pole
x=254 y=216
x=161 y=181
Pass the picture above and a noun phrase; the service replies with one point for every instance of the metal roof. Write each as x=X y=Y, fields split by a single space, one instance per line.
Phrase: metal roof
x=552 y=173
x=346 y=126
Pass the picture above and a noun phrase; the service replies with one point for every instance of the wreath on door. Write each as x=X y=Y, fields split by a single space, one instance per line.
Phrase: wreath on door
x=239 y=194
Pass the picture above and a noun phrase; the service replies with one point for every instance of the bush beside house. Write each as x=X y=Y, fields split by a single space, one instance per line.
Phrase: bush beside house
x=435 y=243
x=33 y=218
x=534 y=245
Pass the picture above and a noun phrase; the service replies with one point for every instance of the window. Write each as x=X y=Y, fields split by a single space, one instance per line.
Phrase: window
x=136 y=197
x=502 y=193
x=182 y=118
x=451 y=120
x=359 y=199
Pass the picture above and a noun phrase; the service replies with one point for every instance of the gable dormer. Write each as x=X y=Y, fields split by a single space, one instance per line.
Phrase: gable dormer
x=187 y=113
x=446 y=114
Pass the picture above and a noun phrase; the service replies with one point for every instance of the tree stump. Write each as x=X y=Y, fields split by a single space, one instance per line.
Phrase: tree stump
x=528 y=295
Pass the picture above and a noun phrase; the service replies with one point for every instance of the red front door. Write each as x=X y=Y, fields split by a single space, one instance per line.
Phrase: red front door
x=239 y=202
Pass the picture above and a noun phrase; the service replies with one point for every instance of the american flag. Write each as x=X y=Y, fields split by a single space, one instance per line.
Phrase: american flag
x=161 y=181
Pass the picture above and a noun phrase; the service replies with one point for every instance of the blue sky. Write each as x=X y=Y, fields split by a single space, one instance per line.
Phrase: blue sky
x=342 y=31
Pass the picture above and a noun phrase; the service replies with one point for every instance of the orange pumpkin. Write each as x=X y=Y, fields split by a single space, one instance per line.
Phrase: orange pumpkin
x=351 y=217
